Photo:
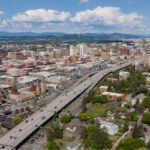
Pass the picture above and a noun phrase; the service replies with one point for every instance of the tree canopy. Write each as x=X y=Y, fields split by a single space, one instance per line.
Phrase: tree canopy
x=96 y=138
x=137 y=131
x=135 y=83
x=52 y=146
x=146 y=118
x=131 y=144
x=66 y=118
x=17 y=120
x=147 y=102
x=100 y=99
x=54 y=131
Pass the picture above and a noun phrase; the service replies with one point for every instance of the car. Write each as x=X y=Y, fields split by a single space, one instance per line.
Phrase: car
x=36 y=126
x=43 y=117
x=20 y=130
x=26 y=121
x=145 y=129
x=11 y=137
x=42 y=135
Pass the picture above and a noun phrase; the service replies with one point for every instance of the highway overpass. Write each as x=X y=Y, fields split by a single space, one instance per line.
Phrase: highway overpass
x=21 y=132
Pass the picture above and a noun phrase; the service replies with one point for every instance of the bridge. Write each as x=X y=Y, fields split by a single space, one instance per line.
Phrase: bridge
x=16 y=136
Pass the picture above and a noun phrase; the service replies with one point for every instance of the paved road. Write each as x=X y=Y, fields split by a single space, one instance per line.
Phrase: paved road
x=120 y=139
x=18 y=134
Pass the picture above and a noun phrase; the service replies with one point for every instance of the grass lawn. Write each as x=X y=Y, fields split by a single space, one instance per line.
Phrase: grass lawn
x=98 y=111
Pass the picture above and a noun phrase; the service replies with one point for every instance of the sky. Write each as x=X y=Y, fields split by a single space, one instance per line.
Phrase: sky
x=75 y=16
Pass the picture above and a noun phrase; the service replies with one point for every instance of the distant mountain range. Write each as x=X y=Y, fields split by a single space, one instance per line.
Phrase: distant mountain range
x=57 y=35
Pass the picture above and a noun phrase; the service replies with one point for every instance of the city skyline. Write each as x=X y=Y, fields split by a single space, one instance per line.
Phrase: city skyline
x=75 y=16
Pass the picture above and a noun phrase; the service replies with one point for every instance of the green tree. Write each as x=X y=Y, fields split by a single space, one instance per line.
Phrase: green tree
x=125 y=127
x=97 y=91
x=55 y=115
x=96 y=138
x=84 y=133
x=83 y=117
x=66 y=118
x=140 y=108
x=50 y=135
x=137 y=131
x=133 y=116
x=146 y=118
x=131 y=144
x=16 y=120
x=147 y=102
x=52 y=146
x=100 y=99
x=57 y=131
x=88 y=98
x=54 y=131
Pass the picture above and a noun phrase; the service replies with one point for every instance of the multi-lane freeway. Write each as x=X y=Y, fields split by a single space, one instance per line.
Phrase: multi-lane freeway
x=18 y=134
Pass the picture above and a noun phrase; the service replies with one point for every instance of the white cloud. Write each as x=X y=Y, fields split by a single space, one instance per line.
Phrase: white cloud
x=84 y=1
x=41 y=15
x=111 y=16
x=3 y=23
x=2 y=13
x=98 y=20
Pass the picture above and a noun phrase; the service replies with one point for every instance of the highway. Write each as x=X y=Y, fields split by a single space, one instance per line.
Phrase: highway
x=22 y=131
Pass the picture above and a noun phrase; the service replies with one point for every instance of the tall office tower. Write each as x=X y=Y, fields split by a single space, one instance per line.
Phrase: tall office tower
x=65 y=49
x=72 y=50
x=82 y=49
x=43 y=86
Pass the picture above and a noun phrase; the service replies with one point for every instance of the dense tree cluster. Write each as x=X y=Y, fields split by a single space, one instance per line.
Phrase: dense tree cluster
x=51 y=145
x=54 y=132
x=146 y=118
x=83 y=117
x=138 y=131
x=131 y=144
x=87 y=100
x=66 y=118
x=100 y=99
x=133 y=116
x=125 y=127
x=96 y=138
x=135 y=83
x=147 y=102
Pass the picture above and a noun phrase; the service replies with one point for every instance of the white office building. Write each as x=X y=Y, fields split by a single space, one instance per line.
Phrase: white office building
x=80 y=49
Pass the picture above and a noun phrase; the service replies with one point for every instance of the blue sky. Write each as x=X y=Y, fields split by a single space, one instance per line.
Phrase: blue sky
x=75 y=16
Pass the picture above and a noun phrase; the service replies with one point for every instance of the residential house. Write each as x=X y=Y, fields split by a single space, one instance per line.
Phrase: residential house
x=114 y=96
x=111 y=128
x=123 y=75
x=75 y=145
